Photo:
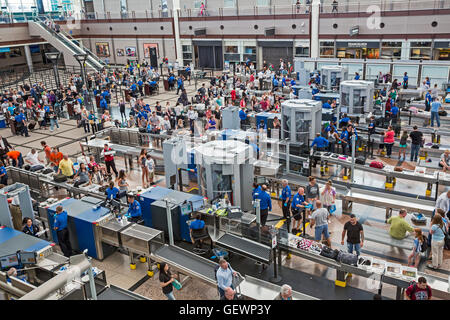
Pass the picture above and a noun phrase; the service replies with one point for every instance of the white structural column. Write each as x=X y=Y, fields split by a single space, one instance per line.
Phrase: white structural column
x=176 y=7
x=315 y=29
x=28 y=56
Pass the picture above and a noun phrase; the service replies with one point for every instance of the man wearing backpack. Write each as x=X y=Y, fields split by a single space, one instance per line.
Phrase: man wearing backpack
x=418 y=290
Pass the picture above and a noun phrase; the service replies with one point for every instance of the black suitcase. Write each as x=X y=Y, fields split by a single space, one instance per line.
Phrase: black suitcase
x=59 y=178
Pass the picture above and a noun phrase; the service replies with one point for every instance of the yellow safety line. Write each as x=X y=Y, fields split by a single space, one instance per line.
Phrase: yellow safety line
x=194 y=188
x=306 y=226
x=280 y=224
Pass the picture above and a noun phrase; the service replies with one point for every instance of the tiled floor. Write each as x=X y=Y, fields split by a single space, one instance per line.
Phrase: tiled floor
x=117 y=265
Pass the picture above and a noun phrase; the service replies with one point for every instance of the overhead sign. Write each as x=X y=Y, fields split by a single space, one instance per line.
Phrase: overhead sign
x=355 y=44
x=5 y=50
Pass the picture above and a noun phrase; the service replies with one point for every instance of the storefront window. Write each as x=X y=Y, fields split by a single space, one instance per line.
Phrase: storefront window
x=302 y=52
x=326 y=49
x=187 y=54
x=420 y=50
x=358 y=53
x=441 y=50
x=391 y=50
x=231 y=49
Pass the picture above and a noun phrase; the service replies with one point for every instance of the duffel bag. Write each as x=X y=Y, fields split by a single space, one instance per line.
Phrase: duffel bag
x=59 y=178
x=376 y=164
x=360 y=160
x=36 y=167
x=47 y=171
x=347 y=258
x=329 y=253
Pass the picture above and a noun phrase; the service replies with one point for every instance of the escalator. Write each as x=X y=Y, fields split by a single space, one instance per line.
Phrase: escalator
x=65 y=44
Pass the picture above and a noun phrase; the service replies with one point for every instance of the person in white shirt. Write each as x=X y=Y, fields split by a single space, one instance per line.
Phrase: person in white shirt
x=32 y=158
x=151 y=169
x=443 y=202
x=165 y=123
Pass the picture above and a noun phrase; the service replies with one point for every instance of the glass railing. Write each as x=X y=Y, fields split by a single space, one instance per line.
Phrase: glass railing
x=364 y=6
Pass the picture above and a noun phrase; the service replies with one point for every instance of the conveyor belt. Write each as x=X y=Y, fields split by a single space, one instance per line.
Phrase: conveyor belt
x=115 y=293
x=388 y=201
x=188 y=262
x=245 y=247
x=382 y=236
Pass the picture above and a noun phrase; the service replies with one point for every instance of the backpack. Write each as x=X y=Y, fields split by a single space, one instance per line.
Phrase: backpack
x=423 y=245
x=347 y=258
x=414 y=284
x=376 y=164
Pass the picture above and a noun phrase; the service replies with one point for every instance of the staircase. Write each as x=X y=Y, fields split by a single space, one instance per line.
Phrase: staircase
x=64 y=43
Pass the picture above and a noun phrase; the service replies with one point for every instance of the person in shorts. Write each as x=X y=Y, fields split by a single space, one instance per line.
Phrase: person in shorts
x=403 y=146
x=319 y=218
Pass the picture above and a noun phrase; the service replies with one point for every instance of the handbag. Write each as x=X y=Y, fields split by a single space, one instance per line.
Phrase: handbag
x=327 y=252
x=446 y=239
x=176 y=284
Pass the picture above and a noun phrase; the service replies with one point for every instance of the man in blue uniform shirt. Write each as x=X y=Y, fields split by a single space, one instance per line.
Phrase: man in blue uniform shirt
x=297 y=207
x=134 y=209
x=327 y=105
x=405 y=81
x=357 y=76
x=265 y=204
x=344 y=140
x=286 y=196
x=242 y=116
x=197 y=229
x=320 y=142
x=21 y=124
x=256 y=190
x=60 y=226
x=428 y=100
x=344 y=121
x=103 y=104
x=140 y=84
x=394 y=113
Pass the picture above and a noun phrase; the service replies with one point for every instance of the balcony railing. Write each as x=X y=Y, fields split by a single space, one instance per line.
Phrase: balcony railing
x=343 y=6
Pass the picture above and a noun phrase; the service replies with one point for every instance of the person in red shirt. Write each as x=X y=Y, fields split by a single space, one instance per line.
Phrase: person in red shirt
x=109 y=160
x=419 y=290
x=389 y=139
x=47 y=151
x=30 y=102
x=252 y=78
x=16 y=157
x=233 y=94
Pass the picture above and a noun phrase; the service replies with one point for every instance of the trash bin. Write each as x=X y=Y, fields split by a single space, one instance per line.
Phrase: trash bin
x=147 y=89
x=127 y=95
x=97 y=101
x=166 y=84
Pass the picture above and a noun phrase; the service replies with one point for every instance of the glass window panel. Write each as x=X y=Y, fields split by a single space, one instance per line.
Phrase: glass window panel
x=437 y=74
x=231 y=49
x=372 y=70
x=250 y=50
x=327 y=44
x=420 y=53
x=352 y=68
x=262 y=3
x=323 y=64
x=391 y=44
x=229 y=4
x=344 y=99
x=301 y=128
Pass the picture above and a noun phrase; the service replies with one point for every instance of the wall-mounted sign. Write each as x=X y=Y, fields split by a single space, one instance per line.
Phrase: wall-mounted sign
x=130 y=51
x=102 y=49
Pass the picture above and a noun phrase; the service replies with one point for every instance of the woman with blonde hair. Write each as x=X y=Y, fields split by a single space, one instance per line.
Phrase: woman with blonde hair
x=418 y=250
x=142 y=161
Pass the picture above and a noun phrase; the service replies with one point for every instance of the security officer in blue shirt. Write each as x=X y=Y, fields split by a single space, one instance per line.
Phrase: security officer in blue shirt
x=103 y=104
x=297 y=207
x=428 y=101
x=197 y=230
x=133 y=89
x=140 y=84
x=21 y=124
x=60 y=226
x=344 y=121
x=293 y=83
x=134 y=209
x=3 y=174
x=242 y=116
x=315 y=90
x=256 y=190
x=394 y=113
x=405 y=81
x=275 y=83
x=286 y=197
x=344 y=140
x=265 y=204
x=320 y=142
x=357 y=76
x=327 y=105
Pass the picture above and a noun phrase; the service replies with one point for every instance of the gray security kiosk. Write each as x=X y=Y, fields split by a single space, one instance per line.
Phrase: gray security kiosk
x=21 y=197
x=332 y=76
x=226 y=167
x=356 y=97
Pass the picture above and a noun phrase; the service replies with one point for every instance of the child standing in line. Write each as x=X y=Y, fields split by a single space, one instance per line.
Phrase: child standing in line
x=403 y=145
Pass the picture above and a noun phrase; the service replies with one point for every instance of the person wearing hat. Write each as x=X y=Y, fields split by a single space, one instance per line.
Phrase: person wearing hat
x=355 y=235
x=444 y=162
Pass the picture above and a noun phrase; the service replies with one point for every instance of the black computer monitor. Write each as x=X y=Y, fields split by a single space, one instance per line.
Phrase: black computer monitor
x=26 y=257
x=8 y=261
